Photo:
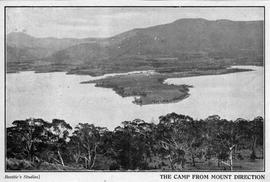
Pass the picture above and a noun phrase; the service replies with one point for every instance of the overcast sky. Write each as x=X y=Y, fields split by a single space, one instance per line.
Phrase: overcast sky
x=105 y=22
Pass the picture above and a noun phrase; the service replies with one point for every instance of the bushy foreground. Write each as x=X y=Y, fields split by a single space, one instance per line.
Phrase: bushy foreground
x=177 y=142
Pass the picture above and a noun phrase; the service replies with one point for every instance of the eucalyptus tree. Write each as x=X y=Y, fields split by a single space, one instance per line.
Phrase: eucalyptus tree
x=195 y=140
x=89 y=138
x=133 y=144
x=59 y=137
x=256 y=134
x=31 y=136
x=174 y=138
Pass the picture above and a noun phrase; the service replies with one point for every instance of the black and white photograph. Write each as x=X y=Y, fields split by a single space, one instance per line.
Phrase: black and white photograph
x=134 y=89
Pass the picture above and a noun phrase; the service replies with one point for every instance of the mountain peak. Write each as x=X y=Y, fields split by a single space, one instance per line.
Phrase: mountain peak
x=193 y=20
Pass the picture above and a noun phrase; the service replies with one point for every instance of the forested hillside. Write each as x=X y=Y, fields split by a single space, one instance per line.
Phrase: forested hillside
x=185 y=44
x=176 y=142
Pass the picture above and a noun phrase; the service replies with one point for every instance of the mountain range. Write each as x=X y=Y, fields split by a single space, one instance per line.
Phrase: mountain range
x=182 y=44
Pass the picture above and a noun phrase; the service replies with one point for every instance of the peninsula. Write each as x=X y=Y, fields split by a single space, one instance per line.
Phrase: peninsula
x=149 y=88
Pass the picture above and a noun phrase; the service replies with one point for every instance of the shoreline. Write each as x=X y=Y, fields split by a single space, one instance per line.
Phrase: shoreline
x=115 y=72
x=150 y=87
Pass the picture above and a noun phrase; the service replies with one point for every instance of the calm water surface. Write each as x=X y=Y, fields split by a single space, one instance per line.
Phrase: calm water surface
x=57 y=95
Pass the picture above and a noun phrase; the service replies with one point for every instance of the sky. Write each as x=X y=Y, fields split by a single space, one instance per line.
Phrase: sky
x=106 y=22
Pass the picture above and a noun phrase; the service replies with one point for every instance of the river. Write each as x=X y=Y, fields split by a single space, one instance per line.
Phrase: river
x=58 y=95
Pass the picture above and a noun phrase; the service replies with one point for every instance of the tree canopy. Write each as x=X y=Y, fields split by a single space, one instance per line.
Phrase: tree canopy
x=173 y=143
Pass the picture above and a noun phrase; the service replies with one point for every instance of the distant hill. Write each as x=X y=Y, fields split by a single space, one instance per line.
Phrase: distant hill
x=38 y=47
x=148 y=48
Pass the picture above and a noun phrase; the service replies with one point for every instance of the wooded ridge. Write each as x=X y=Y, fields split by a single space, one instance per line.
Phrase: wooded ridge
x=176 y=142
